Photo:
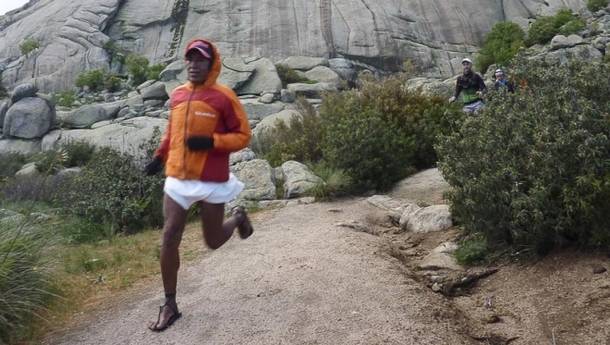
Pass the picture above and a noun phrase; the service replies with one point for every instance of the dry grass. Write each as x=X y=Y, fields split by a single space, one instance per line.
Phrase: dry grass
x=89 y=274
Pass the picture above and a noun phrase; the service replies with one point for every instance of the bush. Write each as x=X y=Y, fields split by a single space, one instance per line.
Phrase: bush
x=24 y=280
x=533 y=169
x=154 y=71
x=596 y=5
x=94 y=80
x=112 y=83
x=137 y=66
x=28 y=45
x=501 y=45
x=472 y=251
x=546 y=27
x=64 y=98
x=298 y=140
x=289 y=76
x=378 y=134
x=78 y=153
x=11 y=163
x=112 y=189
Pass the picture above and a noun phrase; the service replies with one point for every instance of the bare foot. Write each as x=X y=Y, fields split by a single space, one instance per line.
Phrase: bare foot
x=168 y=314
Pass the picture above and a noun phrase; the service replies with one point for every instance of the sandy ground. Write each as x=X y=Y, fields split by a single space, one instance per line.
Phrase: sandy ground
x=299 y=279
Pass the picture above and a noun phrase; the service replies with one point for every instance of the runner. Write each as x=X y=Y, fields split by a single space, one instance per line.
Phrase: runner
x=206 y=123
x=471 y=86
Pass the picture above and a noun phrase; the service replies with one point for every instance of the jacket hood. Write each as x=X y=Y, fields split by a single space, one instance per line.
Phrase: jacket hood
x=216 y=67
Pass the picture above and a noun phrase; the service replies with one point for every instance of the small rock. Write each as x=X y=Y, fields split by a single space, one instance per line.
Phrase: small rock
x=599 y=269
x=287 y=96
x=436 y=287
x=492 y=318
x=267 y=98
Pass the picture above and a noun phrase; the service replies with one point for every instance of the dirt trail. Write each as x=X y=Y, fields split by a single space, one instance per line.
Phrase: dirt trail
x=299 y=280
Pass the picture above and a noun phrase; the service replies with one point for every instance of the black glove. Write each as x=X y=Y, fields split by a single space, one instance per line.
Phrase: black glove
x=200 y=143
x=154 y=167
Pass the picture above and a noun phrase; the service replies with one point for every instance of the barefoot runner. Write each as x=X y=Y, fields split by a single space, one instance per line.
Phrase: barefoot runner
x=206 y=123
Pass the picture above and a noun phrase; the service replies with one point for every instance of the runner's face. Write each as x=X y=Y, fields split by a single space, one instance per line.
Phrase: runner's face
x=467 y=67
x=499 y=76
x=197 y=68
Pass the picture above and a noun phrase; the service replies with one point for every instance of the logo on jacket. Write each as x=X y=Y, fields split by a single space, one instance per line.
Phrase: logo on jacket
x=205 y=114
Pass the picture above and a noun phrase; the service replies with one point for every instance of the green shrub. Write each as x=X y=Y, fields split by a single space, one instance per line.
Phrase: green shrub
x=545 y=28
x=378 y=134
x=297 y=140
x=112 y=83
x=50 y=162
x=111 y=189
x=28 y=45
x=64 y=98
x=137 y=66
x=11 y=163
x=78 y=153
x=154 y=71
x=289 y=76
x=572 y=27
x=501 y=45
x=336 y=182
x=94 y=80
x=25 y=289
x=596 y=5
x=532 y=171
x=472 y=251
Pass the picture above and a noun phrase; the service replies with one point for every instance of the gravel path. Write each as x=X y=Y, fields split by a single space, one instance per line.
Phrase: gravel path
x=299 y=280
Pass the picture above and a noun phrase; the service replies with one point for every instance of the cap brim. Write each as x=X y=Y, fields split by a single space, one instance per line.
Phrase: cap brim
x=200 y=51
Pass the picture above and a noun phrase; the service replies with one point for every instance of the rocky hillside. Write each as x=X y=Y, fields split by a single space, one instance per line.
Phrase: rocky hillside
x=74 y=35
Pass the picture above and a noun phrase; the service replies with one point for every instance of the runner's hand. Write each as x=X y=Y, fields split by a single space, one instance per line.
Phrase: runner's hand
x=452 y=99
x=154 y=167
x=200 y=143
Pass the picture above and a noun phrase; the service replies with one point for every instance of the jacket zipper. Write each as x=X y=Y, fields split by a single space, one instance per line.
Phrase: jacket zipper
x=186 y=121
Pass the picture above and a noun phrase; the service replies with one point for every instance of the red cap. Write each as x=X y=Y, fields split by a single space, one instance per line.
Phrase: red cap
x=202 y=47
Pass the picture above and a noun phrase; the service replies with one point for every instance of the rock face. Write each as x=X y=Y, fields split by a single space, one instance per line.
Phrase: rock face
x=29 y=118
x=435 y=35
x=257 y=175
x=125 y=136
x=87 y=115
x=3 y=109
x=298 y=179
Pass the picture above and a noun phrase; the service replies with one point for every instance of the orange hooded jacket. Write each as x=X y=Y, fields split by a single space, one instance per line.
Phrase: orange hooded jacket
x=210 y=109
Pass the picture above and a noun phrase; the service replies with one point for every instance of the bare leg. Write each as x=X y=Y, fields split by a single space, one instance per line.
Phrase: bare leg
x=175 y=220
x=215 y=232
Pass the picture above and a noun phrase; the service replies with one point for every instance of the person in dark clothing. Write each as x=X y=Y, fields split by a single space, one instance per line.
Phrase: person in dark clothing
x=502 y=83
x=471 y=87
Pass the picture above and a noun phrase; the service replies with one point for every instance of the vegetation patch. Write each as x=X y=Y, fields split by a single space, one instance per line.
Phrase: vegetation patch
x=565 y=22
x=532 y=171
x=501 y=45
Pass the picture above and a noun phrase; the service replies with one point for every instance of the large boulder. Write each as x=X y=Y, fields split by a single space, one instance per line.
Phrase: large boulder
x=324 y=74
x=298 y=179
x=345 y=68
x=583 y=52
x=87 y=115
x=29 y=118
x=561 y=41
x=22 y=91
x=241 y=156
x=431 y=86
x=270 y=121
x=304 y=63
x=155 y=91
x=236 y=72
x=311 y=90
x=265 y=79
x=257 y=110
x=126 y=136
x=427 y=219
x=21 y=146
x=257 y=175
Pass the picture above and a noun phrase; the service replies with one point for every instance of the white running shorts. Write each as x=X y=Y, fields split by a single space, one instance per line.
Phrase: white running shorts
x=188 y=192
